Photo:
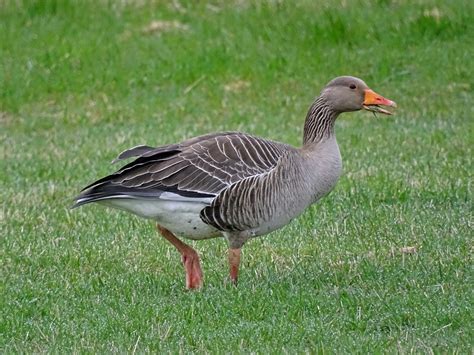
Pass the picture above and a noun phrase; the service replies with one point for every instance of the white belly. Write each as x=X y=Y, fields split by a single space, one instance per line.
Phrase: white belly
x=179 y=217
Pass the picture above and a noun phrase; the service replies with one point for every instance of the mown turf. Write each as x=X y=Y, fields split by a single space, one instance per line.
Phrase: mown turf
x=382 y=264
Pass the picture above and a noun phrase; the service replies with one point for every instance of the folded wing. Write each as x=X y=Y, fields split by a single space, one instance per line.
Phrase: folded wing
x=198 y=168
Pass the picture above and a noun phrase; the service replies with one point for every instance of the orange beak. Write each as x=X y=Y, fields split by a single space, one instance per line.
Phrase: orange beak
x=372 y=101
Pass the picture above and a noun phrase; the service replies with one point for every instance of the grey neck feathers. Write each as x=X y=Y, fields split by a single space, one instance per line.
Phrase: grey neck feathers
x=319 y=122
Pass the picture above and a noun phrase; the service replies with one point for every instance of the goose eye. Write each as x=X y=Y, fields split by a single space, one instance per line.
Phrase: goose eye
x=352 y=86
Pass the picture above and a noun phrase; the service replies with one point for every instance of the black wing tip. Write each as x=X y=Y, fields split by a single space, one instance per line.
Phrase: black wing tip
x=79 y=201
x=86 y=197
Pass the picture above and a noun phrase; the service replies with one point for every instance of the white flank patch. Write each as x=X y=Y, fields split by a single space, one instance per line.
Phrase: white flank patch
x=180 y=216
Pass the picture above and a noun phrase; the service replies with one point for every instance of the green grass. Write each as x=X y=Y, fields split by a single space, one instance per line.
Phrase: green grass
x=82 y=81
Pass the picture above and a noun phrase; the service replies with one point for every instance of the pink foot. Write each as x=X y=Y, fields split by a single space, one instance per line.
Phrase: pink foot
x=193 y=270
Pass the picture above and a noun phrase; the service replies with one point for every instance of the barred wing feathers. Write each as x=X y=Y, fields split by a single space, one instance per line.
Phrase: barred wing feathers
x=199 y=167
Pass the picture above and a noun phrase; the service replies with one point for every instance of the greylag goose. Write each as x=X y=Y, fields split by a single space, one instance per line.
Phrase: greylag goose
x=233 y=184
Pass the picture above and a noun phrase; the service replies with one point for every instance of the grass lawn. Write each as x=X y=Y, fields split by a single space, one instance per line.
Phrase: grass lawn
x=384 y=263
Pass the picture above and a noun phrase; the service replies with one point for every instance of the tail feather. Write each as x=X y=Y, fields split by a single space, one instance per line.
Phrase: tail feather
x=79 y=201
x=107 y=190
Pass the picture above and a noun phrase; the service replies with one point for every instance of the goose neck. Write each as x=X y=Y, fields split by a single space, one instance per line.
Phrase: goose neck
x=319 y=124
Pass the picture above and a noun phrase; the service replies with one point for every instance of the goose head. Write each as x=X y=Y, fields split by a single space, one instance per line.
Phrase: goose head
x=347 y=93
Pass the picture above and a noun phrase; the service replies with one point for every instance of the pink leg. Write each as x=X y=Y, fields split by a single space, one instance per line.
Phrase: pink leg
x=234 y=261
x=189 y=256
